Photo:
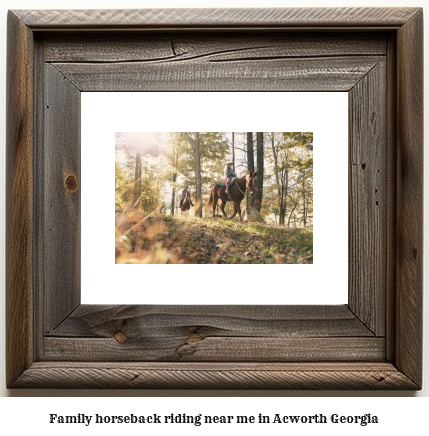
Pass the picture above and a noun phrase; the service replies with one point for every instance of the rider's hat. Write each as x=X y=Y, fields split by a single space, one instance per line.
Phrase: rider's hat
x=186 y=186
x=230 y=163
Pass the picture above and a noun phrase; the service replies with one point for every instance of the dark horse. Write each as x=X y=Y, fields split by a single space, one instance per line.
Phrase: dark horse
x=186 y=204
x=236 y=194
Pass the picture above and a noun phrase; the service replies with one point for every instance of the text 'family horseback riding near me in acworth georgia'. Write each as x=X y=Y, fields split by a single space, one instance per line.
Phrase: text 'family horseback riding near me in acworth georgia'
x=214 y=198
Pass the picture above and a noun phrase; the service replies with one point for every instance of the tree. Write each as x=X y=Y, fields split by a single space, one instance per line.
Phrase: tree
x=174 y=180
x=250 y=164
x=276 y=166
x=151 y=167
x=292 y=161
x=284 y=183
x=281 y=172
x=172 y=153
x=213 y=150
x=195 y=144
x=139 y=157
x=233 y=151
x=137 y=180
x=260 y=169
x=122 y=187
x=305 y=183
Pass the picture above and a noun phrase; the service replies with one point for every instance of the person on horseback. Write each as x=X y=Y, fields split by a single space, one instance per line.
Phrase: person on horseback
x=184 y=196
x=230 y=175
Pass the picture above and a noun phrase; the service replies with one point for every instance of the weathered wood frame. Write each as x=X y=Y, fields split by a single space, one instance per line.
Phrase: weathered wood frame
x=374 y=342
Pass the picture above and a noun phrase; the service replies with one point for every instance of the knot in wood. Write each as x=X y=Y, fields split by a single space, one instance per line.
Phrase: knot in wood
x=120 y=337
x=71 y=183
x=192 y=338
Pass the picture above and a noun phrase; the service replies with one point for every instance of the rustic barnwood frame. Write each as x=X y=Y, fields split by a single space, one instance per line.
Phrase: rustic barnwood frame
x=373 y=342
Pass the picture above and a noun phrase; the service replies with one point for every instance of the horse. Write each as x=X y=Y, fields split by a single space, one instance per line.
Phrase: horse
x=237 y=193
x=186 y=204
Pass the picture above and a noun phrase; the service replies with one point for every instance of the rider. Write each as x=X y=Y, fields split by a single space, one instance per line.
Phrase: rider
x=229 y=174
x=184 y=196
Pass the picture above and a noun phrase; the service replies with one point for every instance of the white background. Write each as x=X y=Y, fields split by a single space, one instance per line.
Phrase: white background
x=323 y=113
x=400 y=414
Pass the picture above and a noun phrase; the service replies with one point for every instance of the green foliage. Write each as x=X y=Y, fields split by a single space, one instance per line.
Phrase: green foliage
x=213 y=154
x=166 y=162
x=291 y=184
x=300 y=139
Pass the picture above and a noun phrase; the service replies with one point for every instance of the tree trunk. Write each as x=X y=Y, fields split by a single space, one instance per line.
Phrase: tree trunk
x=260 y=169
x=137 y=181
x=304 y=205
x=198 y=174
x=281 y=204
x=233 y=152
x=291 y=212
x=276 y=167
x=250 y=164
x=196 y=148
x=276 y=173
x=283 y=194
x=173 y=194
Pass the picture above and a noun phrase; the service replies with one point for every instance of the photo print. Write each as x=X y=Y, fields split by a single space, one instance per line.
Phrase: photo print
x=214 y=197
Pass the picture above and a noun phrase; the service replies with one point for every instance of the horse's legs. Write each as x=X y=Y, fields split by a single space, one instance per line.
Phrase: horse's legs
x=222 y=206
x=215 y=199
x=235 y=211
x=239 y=212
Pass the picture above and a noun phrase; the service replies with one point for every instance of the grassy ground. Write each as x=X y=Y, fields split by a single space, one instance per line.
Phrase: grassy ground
x=178 y=239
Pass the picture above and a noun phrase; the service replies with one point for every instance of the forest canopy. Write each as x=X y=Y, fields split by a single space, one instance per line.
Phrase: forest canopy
x=152 y=168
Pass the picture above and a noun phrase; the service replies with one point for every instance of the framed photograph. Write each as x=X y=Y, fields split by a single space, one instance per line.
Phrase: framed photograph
x=90 y=91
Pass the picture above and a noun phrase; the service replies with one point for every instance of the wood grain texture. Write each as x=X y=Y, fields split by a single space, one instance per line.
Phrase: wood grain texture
x=215 y=376
x=19 y=200
x=39 y=200
x=391 y=192
x=368 y=202
x=233 y=47
x=409 y=281
x=207 y=50
x=61 y=187
x=194 y=348
x=98 y=321
x=230 y=18
x=301 y=74
x=213 y=333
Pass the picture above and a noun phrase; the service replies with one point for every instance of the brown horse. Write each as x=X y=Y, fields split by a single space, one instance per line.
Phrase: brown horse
x=237 y=193
x=186 y=204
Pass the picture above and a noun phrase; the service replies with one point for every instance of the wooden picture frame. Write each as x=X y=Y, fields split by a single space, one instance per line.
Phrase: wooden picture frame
x=373 y=342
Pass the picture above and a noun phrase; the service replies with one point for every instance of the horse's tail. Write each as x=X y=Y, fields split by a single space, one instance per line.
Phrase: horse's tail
x=211 y=199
